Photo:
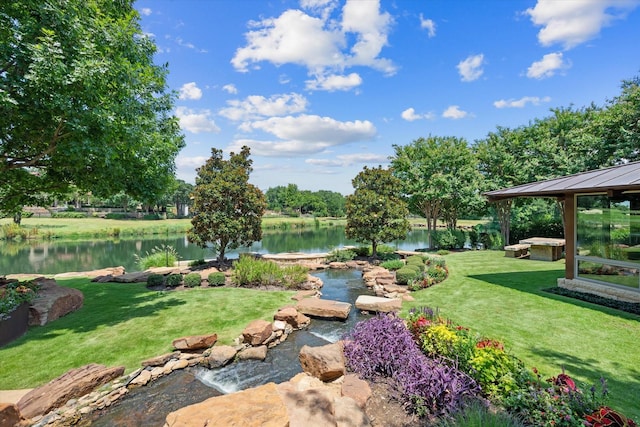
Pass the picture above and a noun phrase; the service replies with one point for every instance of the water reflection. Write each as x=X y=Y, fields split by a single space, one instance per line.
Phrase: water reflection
x=60 y=257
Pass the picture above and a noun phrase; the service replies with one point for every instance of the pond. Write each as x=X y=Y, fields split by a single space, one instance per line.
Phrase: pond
x=54 y=257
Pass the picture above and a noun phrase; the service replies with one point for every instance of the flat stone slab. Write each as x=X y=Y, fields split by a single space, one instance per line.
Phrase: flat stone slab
x=378 y=304
x=324 y=308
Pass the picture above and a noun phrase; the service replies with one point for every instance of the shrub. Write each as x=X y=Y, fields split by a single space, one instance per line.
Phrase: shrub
x=341 y=255
x=151 y=217
x=294 y=275
x=154 y=280
x=383 y=346
x=392 y=265
x=160 y=256
x=405 y=275
x=197 y=262
x=13 y=294
x=476 y=413
x=444 y=239
x=437 y=273
x=606 y=416
x=248 y=271
x=414 y=259
x=216 y=279
x=497 y=372
x=116 y=215
x=13 y=231
x=363 y=251
x=418 y=268
x=173 y=280
x=460 y=237
x=387 y=253
x=68 y=215
x=443 y=252
x=192 y=280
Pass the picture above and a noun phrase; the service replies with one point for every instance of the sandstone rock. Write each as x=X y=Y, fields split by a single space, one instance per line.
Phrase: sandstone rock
x=73 y=384
x=219 y=356
x=309 y=408
x=135 y=277
x=53 y=302
x=161 y=360
x=195 y=342
x=304 y=294
x=9 y=414
x=324 y=308
x=395 y=288
x=174 y=365
x=257 y=332
x=293 y=317
x=383 y=281
x=164 y=270
x=325 y=362
x=348 y=413
x=407 y=297
x=204 y=274
x=357 y=389
x=280 y=325
x=378 y=304
x=143 y=378
x=338 y=265
x=254 y=407
x=256 y=353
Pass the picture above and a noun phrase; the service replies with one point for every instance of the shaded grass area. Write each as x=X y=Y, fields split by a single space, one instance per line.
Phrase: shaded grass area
x=124 y=324
x=503 y=298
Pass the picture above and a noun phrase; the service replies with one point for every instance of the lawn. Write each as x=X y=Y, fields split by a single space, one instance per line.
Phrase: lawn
x=124 y=324
x=502 y=298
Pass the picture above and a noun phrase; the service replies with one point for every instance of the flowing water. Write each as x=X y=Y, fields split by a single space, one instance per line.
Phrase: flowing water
x=149 y=405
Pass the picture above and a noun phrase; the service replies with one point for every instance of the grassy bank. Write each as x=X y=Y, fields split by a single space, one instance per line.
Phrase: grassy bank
x=503 y=298
x=124 y=324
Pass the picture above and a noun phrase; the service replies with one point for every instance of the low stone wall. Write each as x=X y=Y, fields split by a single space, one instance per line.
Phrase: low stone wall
x=600 y=290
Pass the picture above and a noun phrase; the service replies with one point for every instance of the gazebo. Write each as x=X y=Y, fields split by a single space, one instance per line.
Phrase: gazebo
x=602 y=227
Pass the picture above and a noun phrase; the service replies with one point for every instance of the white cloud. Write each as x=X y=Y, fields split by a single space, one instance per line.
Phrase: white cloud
x=547 y=66
x=334 y=82
x=184 y=162
x=181 y=42
x=256 y=106
x=230 y=88
x=454 y=112
x=344 y=160
x=410 y=115
x=145 y=11
x=196 y=121
x=429 y=25
x=520 y=103
x=304 y=134
x=319 y=43
x=471 y=68
x=571 y=23
x=190 y=91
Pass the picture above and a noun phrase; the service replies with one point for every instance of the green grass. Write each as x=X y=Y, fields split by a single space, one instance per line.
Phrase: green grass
x=502 y=298
x=124 y=324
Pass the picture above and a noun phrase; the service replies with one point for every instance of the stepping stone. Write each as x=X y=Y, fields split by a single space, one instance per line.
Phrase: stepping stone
x=378 y=304
x=324 y=308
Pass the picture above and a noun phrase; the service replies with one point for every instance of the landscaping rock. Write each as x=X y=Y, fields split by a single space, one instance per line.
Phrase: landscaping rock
x=135 y=277
x=293 y=317
x=326 y=362
x=9 y=415
x=309 y=407
x=195 y=342
x=378 y=304
x=395 y=288
x=324 y=308
x=255 y=353
x=142 y=378
x=338 y=265
x=357 y=389
x=254 y=407
x=304 y=294
x=71 y=385
x=219 y=356
x=161 y=360
x=348 y=413
x=53 y=302
x=257 y=332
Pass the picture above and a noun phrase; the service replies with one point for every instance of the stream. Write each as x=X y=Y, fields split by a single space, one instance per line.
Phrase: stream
x=150 y=405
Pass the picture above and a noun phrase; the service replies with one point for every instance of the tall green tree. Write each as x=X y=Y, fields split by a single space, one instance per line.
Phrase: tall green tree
x=440 y=177
x=375 y=211
x=227 y=209
x=82 y=103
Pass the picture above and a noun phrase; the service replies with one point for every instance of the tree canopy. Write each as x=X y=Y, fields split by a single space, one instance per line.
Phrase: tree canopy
x=82 y=103
x=227 y=209
x=375 y=211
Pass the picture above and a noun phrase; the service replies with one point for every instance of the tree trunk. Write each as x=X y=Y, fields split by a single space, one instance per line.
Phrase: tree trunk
x=374 y=249
x=17 y=217
x=503 y=210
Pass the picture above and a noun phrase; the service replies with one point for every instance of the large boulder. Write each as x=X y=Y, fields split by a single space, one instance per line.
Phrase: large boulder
x=357 y=389
x=326 y=362
x=195 y=342
x=9 y=415
x=378 y=304
x=254 y=407
x=324 y=308
x=257 y=332
x=253 y=353
x=52 y=302
x=71 y=385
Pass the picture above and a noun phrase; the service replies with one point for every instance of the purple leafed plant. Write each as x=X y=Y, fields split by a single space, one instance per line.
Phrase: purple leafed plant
x=383 y=346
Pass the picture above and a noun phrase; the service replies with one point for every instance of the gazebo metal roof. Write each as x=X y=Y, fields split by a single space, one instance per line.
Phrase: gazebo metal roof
x=625 y=177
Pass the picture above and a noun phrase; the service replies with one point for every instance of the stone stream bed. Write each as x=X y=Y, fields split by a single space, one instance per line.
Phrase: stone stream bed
x=149 y=405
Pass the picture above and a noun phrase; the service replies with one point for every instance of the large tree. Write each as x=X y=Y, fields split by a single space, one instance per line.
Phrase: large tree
x=227 y=209
x=81 y=102
x=375 y=211
x=440 y=177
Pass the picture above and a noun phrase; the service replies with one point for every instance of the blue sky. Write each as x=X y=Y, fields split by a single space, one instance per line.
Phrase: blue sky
x=321 y=88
